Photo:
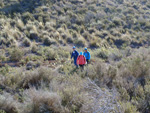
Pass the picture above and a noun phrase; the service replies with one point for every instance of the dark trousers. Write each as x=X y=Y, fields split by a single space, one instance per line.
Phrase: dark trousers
x=75 y=62
x=82 y=66
x=87 y=60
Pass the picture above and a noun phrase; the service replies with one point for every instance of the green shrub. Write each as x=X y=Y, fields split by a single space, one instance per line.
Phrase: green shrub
x=103 y=53
x=94 y=44
x=8 y=104
x=11 y=41
x=69 y=40
x=117 y=21
x=4 y=70
x=27 y=16
x=3 y=41
x=34 y=78
x=30 y=65
x=20 y=24
x=16 y=54
x=111 y=25
x=50 y=54
x=80 y=42
x=86 y=35
x=47 y=53
x=34 y=48
x=42 y=101
x=139 y=68
x=129 y=108
x=34 y=35
x=115 y=56
x=2 y=4
x=63 y=53
x=26 y=42
x=2 y=56
x=48 y=41
x=17 y=35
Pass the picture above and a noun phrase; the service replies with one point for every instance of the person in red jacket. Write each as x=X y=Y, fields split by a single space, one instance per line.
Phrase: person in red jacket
x=81 y=60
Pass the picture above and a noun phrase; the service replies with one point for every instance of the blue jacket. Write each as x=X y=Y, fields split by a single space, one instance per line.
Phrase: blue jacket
x=87 y=55
x=74 y=54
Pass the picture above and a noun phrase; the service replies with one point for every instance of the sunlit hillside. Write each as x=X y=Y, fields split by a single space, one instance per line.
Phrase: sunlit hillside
x=37 y=74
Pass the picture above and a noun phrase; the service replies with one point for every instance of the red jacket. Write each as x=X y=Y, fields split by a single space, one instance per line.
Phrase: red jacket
x=81 y=60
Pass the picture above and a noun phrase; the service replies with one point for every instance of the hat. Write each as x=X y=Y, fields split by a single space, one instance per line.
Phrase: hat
x=85 y=49
x=81 y=53
x=73 y=47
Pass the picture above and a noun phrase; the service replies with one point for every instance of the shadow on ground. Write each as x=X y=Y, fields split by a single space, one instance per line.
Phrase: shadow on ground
x=21 y=6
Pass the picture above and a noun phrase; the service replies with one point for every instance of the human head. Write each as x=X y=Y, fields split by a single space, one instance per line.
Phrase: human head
x=85 y=49
x=81 y=53
x=74 y=48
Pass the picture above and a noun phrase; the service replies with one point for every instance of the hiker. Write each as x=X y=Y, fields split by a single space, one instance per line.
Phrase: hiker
x=75 y=55
x=87 y=55
x=81 y=61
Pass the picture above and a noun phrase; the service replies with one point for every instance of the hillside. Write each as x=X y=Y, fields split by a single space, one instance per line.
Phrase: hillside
x=94 y=23
x=37 y=74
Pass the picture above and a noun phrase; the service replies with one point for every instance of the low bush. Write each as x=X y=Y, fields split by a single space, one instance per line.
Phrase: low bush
x=4 y=70
x=34 y=35
x=20 y=24
x=16 y=54
x=36 y=77
x=94 y=44
x=117 y=21
x=119 y=27
x=2 y=56
x=42 y=101
x=69 y=40
x=3 y=41
x=139 y=68
x=80 y=42
x=129 y=108
x=10 y=42
x=30 y=65
x=86 y=35
x=26 y=42
x=63 y=54
x=103 y=53
x=34 y=48
x=48 y=41
x=50 y=54
x=8 y=104
x=17 y=35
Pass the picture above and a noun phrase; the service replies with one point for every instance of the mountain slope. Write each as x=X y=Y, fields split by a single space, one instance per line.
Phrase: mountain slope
x=37 y=74
x=81 y=22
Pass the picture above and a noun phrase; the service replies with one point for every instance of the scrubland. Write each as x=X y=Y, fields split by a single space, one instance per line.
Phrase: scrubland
x=37 y=74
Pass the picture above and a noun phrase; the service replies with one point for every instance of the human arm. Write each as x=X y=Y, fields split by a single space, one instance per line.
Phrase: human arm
x=84 y=60
x=71 y=55
x=77 y=61
x=77 y=53
x=89 y=55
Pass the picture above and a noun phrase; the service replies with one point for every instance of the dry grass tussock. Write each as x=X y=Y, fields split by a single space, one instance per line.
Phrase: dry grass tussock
x=41 y=101
x=34 y=78
x=8 y=104
x=35 y=32
x=52 y=92
x=119 y=18
x=26 y=79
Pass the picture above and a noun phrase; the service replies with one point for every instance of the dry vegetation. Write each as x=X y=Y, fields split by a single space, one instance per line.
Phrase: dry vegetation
x=36 y=73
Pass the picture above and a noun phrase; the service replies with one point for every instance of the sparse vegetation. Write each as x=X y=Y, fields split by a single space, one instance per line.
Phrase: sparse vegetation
x=16 y=54
x=36 y=73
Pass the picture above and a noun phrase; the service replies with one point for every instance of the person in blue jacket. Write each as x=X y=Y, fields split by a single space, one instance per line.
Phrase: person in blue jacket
x=87 y=55
x=75 y=55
